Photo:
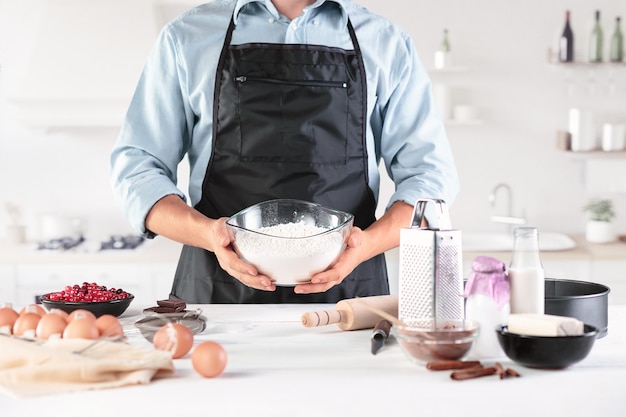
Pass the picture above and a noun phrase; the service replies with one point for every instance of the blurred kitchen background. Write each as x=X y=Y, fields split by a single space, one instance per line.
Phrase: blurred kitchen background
x=69 y=67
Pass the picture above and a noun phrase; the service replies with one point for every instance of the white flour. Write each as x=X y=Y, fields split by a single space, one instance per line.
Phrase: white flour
x=297 y=245
x=291 y=256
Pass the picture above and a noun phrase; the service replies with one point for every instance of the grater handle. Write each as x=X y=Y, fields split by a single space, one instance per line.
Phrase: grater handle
x=443 y=217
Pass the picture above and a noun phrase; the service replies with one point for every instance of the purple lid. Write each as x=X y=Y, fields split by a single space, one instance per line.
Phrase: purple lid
x=488 y=277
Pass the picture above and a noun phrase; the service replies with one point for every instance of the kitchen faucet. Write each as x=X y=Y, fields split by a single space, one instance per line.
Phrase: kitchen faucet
x=508 y=218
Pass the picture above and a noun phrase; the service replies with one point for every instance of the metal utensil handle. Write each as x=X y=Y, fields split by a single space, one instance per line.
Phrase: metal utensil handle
x=443 y=217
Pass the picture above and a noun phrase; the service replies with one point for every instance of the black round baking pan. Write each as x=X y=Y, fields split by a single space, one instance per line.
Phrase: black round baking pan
x=586 y=301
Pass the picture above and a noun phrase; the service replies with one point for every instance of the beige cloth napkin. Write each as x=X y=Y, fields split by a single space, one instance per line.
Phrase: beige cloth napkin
x=30 y=368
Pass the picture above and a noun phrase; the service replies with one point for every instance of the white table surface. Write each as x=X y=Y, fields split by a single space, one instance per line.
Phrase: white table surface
x=277 y=367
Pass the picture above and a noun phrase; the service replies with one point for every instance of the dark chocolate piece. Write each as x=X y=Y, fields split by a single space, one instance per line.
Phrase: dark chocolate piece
x=178 y=305
x=159 y=309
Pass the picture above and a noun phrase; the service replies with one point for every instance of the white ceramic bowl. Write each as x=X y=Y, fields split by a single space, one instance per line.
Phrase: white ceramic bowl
x=289 y=240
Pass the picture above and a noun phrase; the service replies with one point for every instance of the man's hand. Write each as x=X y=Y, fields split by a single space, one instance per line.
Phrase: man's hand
x=349 y=259
x=230 y=262
x=173 y=218
x=382 y=235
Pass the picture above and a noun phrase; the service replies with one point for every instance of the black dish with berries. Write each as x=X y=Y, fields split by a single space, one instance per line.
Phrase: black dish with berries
x=96 y=298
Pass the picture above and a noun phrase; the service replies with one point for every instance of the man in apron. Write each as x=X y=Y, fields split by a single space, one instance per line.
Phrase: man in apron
x=288 y=120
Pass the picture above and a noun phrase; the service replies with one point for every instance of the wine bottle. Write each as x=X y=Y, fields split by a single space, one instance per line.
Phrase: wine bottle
x=617 y=43
x=595 y=41
x=445 y=43
x=443 y=58
x=566 y=42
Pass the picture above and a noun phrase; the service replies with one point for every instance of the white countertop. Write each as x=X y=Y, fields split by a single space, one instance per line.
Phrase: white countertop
x=277 y=367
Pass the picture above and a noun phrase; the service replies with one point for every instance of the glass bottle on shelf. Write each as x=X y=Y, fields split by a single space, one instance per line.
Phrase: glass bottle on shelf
x=617 y=43
x=443 y=58
x=595 y=41
x=445 y=43
x=526 y=275
x=566 y=42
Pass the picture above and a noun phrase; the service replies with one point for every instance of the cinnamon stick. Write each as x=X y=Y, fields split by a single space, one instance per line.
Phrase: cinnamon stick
x=500 y=370
x=447 y=365
x=472 y=373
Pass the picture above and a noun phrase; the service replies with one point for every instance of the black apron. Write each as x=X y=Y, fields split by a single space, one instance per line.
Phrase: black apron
x=289 y=122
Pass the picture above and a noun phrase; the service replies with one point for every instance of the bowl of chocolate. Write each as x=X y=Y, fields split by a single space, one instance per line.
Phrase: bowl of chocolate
x=546 y=341
x=428 y=340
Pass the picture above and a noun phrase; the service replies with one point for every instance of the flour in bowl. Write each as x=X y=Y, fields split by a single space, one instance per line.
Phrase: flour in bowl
x=290 y=253
x=289 y=240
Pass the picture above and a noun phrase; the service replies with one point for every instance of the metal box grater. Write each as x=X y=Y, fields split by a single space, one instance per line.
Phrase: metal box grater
x=431 y=268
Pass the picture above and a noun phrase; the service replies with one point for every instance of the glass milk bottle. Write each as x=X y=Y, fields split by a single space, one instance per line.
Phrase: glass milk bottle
x=526 y=276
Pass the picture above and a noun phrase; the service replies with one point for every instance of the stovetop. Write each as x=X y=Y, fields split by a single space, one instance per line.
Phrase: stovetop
x=115 y=242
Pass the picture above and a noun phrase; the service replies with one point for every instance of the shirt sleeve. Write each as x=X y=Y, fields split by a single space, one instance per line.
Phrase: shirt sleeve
x=414 y=143
x=154 y=136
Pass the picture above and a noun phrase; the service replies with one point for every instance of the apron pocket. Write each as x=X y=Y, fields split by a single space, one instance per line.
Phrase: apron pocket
x=306 y=120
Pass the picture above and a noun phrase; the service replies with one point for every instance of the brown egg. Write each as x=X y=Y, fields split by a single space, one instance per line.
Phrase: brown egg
x=61 y=313
x=7 y=319
x=109 y=326
x=49 y=325
x=81 y=328
x=174 y=338
x=81 y=313
x=209 y=359
x=34 y=308
x=26 y=324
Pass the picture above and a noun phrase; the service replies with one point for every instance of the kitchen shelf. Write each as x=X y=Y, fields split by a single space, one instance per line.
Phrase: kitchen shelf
x=595 y=155
x=464 y=123
x=581 y=65
x=451 y=69
x=70 y=113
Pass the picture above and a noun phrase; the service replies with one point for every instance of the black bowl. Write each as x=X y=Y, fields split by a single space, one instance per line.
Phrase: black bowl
x=544 y=351
x=113 y=307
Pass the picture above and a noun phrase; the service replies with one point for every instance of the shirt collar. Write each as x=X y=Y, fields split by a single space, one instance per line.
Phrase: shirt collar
x=270 y=7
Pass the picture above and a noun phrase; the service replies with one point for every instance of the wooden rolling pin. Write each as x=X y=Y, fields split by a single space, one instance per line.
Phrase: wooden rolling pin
x=350 y=315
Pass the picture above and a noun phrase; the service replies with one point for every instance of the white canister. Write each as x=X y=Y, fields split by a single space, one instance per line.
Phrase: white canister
x=16 y=233
x=487 y=294
x=485 y=310
x=582 y=129
x=443 y=100
x=53 y=226
x=443 y=59
x=464 y=113
x=613 y=137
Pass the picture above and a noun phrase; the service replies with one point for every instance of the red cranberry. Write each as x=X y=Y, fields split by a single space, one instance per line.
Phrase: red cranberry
x=88 y=292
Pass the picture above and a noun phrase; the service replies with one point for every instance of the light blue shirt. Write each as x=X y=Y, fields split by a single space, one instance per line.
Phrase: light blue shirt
x=171 y=112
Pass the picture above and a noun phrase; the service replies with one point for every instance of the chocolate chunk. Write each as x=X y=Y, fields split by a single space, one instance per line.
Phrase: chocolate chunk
x=177 y=305
x=160 y=310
